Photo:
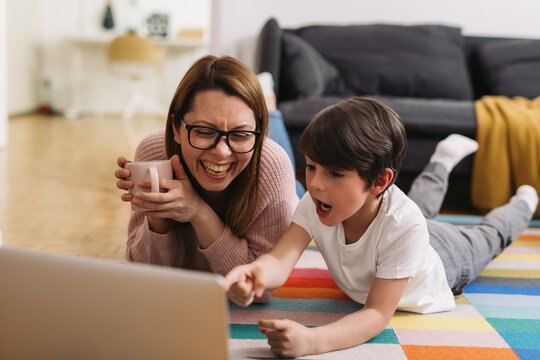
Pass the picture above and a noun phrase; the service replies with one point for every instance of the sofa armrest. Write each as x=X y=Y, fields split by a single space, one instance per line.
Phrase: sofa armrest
x=268 y=52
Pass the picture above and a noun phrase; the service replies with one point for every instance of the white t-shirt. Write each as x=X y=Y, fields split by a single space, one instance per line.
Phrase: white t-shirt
x=395 y=245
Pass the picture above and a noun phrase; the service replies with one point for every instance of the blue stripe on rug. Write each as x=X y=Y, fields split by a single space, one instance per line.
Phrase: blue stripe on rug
x=509 y=312
x=522 y=340
x=304 y=305
x=528 y=354
x=251 y=331
x=518 y=333
x=502 y=299
x=472 y=219
x=500 y=289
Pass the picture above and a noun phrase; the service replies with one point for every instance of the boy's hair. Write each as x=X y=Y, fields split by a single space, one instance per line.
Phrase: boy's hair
x=356 y=134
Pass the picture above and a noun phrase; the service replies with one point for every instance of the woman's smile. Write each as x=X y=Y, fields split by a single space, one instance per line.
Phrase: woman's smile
x=216 y=171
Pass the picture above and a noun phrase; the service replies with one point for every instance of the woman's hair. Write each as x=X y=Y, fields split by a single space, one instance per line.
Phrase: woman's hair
x=356 y=134
x=236 y=79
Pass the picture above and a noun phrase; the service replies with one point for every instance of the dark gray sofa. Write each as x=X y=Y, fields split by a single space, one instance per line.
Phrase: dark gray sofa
x=429 y=74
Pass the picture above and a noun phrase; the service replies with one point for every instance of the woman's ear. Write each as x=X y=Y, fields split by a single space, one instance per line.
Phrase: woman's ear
x=175 y=131
x=382 y=182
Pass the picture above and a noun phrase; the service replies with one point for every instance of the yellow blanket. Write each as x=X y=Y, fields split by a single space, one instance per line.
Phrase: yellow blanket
x=509 y=149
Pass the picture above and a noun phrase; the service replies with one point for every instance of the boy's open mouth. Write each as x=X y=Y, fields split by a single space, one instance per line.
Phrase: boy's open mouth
x=323 y=209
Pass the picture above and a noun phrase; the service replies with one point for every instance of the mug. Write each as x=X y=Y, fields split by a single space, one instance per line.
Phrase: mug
x=148 y=170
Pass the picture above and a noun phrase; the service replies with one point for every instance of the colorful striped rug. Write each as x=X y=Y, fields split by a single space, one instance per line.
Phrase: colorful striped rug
x=498 y=317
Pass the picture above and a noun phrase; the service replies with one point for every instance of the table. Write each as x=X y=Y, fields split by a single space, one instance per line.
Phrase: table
x=189 y=47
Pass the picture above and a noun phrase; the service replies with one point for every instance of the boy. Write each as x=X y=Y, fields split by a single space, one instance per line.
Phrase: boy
x=378 y=246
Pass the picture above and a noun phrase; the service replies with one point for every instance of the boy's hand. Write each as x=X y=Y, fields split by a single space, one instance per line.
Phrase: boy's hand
x=288 y=338
x=243 y=283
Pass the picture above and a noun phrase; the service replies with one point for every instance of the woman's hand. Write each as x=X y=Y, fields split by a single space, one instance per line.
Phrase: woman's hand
x=122 y=174
x=181 y=202
x=288 y=338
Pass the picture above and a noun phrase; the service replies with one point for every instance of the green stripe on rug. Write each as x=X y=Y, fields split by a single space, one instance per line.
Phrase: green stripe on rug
x=515 y=325
x=251 y=331
x=388 y=336
x=245 y=331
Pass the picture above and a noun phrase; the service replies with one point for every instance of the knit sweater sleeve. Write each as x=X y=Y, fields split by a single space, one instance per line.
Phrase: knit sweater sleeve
x=143 y=244
x=277 y=201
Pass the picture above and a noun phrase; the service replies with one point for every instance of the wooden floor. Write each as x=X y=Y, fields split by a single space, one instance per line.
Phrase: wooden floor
x=57 y=185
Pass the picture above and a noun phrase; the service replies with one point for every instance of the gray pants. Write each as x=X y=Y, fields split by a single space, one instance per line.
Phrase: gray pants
x=465 y=250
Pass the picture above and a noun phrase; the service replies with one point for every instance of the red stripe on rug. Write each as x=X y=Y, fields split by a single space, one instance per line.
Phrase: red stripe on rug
x=311 y=273
x=528 y=238
x=310 y=283
x=310 y=293
x=457 y=353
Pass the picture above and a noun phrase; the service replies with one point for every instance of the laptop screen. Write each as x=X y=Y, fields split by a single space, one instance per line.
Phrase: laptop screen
x=56 y=306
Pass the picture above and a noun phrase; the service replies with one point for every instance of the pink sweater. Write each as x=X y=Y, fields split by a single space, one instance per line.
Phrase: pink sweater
x=277 y=201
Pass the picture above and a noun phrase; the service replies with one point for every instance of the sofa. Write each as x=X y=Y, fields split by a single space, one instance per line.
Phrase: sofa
x=430 y=74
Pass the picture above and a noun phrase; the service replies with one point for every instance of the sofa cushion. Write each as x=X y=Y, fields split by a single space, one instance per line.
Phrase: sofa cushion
x=422 y=117
x=305 y=72
x=511 y=68
x=434 y=118
x=415 y=61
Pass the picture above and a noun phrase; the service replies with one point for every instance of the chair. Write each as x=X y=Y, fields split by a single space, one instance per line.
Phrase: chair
x=136 y=58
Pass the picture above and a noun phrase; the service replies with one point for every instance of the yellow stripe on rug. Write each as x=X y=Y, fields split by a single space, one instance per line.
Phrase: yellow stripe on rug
x=526 y=243
x=532 y=257
x=462 y=300
x=512 y=273
x=426 y=322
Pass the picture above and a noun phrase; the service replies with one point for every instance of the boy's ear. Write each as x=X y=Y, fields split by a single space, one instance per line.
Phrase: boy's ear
x=382 y=182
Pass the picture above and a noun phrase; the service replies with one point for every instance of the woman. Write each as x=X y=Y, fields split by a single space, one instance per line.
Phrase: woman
x=234 y=189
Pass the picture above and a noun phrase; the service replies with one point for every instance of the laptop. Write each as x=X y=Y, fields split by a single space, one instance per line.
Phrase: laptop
x=55 y=306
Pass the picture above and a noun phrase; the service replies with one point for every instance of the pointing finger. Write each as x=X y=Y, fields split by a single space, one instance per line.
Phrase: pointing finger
x=234 y=276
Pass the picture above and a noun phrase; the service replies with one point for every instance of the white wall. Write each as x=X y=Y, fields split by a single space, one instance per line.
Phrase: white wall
x=23 y=56
x=236 y=23
x=37 y=31
x=3 y=75
x=38 y=49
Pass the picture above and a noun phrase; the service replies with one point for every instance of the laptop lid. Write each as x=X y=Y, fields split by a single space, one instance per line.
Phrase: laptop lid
x=55 y=306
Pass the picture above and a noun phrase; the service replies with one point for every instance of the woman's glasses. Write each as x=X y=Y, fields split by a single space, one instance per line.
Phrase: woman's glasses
x=205 y=138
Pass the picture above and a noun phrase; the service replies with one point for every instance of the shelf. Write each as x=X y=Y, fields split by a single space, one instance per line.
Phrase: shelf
x=175 y=43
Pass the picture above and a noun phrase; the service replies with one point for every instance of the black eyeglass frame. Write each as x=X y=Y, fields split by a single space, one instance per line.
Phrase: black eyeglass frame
x=220 y=135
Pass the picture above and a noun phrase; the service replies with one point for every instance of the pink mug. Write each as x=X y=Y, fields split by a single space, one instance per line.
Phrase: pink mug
x=148 y=170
